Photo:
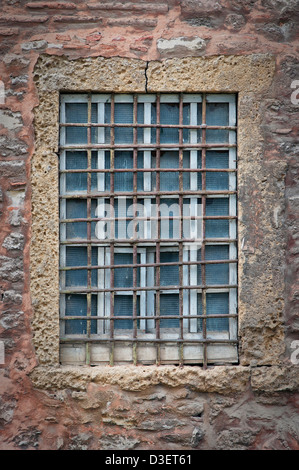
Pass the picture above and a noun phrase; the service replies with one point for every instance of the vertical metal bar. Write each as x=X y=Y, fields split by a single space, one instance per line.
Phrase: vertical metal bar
x=158 y=155
x=135 y=230
x=112 y=234
x=181 y=155
x=203 y=266
x=89 y=249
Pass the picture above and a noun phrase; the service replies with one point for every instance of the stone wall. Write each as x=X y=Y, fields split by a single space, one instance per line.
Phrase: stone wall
x=250 y=406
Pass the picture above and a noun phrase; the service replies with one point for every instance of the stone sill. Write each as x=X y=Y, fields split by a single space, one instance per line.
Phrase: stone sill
x=218 y=379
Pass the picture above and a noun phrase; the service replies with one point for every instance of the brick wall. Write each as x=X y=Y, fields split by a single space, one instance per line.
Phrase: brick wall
x=259 y=408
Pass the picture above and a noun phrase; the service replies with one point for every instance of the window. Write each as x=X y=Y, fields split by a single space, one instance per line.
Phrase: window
x=148 y=228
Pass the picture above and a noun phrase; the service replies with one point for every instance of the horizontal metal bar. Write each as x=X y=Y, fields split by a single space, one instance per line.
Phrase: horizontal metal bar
x=144 y=146
x=146 y=126
x=156 y=317
x=150 y=219
x=152 y=241
x=151 y=340
x=149 y=170
x=86 y=290
x=148 y=265
x=116 y=194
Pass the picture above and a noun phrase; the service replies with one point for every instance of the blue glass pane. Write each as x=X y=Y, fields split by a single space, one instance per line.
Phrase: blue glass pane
x=169 y=207
x=169 y=114
x=93 y=213
x=199 y=174
x=123 y=181
x=107 y=175
x=186 y=122
x=123 y=115
x=217 y=115
x=107 y=121
x=169 y=181
x=169 y=275
x=219 y=180
x=217 y=273
x=94 y=166
x=153 y=121
x=217 y=228
x=217 y=303
x=76 y=113
x=123 y=277
x=76 y=305
x=77 y=256
x=169 y=305
x=123 y=306
x=76 y=209
x=186 y=174
x=94 y=120
x=140 y=120
x=123 y=208
x=76 y=161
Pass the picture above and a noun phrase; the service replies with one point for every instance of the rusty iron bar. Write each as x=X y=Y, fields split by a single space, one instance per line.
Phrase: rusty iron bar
x=153 y=126
x=149 y=265
x=148 y=170
x=150 y=340
x=181 y=311
x=134 y=352
x=144 y=240
x=203 y=248
x=89 y=248
x=112 y=140
x=158 y=246
x=173 y=217
x=148 y=288
x=146 y=317
x=152 y=193
x=144 y=146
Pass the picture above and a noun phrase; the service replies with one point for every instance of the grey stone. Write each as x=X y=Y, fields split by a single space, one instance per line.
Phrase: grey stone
x=12 y=296
x=184 y=44
x=115 y=442
x=10 y=120
x=7 y=411
x=10 y=319
x=197 y=436
x=11 y=147
x=29 y=46
x=80 y=442
x=235 y=22
x=160 y=425
x=14 y=241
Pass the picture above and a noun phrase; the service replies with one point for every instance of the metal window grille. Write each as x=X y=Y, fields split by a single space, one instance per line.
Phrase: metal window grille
x=148 y=228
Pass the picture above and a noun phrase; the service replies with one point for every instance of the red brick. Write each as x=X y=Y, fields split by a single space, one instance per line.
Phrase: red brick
x=135 y=47
x=52 y=5
x=149 y=7
x=135 y=22
x=5 y=18
x=8 y=31
x=63 y=37
x=75 y=46
x=145 y=38
x=94 y=37
x=76 y=19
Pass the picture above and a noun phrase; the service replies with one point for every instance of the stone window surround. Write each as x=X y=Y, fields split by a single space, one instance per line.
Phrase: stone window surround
x=248 y=76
